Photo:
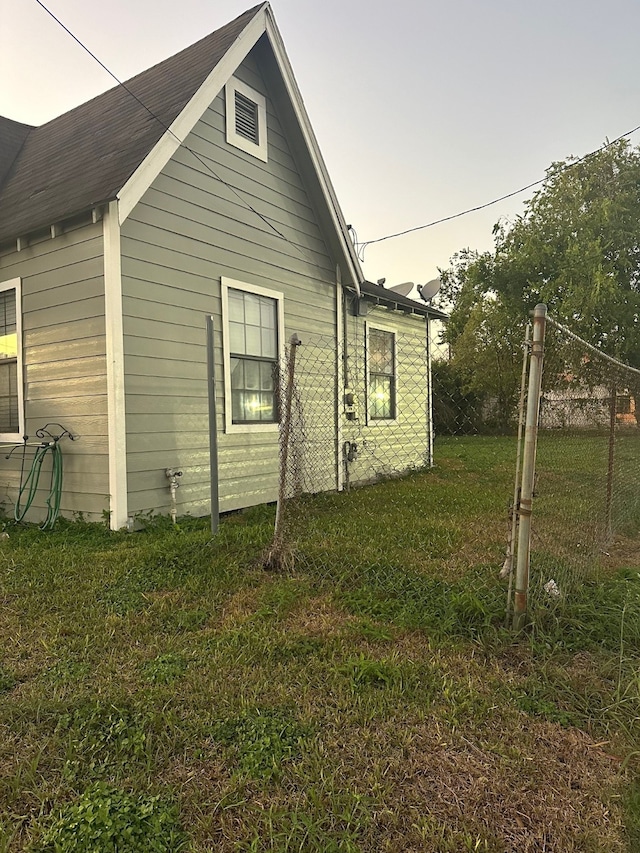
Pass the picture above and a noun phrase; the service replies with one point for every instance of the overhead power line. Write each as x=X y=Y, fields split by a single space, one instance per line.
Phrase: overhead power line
x=181 y=142
x=362 y=246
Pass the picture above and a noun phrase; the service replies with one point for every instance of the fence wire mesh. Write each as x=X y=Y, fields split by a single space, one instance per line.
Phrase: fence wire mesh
x=390 y=491
x=397 y=475
x=586 y=509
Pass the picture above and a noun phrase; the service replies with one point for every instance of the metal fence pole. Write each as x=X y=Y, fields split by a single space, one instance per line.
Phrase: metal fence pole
x=284 y=436
x=507 y=569
x=528 y=468
x=610 y=461
x=213 y=429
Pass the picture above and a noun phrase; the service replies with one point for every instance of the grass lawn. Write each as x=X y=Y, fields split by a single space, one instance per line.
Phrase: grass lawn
x=160 y=691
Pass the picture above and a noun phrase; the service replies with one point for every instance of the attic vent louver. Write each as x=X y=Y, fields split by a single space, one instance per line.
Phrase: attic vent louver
x=247 y=118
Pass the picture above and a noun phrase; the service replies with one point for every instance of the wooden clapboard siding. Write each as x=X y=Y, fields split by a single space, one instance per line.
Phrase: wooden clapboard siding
x=196 y=224
x=64 y=363
x=389 y=447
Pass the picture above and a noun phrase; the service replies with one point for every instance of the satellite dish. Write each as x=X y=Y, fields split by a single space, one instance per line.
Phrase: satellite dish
x=403 y=289
x=428 y=291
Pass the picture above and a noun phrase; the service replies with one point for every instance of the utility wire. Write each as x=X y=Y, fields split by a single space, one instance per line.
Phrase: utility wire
x=362 y=246
x=178 y=140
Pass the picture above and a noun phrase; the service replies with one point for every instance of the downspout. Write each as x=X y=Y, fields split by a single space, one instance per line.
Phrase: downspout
x=430 y=434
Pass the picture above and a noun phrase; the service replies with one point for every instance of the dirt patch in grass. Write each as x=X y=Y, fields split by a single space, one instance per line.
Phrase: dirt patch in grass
x=318 y=617
x=526 y=785
x=239 y=607
x=623 y=553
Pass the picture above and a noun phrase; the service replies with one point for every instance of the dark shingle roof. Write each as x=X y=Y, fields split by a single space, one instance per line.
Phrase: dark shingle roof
x=85 y=156
x=392 y=299
x=12 y=137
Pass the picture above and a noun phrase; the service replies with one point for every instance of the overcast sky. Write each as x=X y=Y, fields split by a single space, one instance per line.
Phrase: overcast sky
x=421 y=109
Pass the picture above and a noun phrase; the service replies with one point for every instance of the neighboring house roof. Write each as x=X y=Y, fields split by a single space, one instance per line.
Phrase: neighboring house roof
x=393 y=299
x=114 y=146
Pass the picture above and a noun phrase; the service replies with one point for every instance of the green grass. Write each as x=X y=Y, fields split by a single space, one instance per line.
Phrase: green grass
x=161 y=688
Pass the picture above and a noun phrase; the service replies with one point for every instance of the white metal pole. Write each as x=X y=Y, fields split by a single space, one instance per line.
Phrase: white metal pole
x=430 y=433
x=528 y=468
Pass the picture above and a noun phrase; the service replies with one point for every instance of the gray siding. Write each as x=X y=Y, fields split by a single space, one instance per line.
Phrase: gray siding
x=64 y=363
x=192 y=227
x=388 y=447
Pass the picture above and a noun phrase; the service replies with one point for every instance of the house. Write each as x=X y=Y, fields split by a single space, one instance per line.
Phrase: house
x=580 y=406
x=195 y=190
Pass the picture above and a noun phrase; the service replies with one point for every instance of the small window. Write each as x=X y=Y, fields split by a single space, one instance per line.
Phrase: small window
x=623 y=405
x=11 y=421
x=252 y=334
x=246 y=118
x=382 y=374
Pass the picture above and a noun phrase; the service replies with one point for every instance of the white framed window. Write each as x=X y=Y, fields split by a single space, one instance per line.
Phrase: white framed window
x=381 y=373
x=246 y=118
x=253 y=340
x=11 y=388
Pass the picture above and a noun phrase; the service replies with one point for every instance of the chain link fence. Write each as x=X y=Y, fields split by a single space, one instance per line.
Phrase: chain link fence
x=397 y=475
x=394 y=483
x=586 y=509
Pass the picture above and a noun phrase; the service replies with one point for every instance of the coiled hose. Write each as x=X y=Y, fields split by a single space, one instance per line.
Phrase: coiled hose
x=31 y=483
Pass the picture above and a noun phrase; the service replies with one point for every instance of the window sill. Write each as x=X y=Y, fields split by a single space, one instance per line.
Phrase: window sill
x=236 y=428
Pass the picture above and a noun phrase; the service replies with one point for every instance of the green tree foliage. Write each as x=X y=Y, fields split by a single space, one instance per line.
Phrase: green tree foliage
x=576 y=248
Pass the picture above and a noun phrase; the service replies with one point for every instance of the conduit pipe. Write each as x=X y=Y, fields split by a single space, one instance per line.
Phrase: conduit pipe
x=173 y=475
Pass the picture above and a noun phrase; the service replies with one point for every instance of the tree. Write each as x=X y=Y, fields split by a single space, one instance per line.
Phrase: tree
x=576 y=248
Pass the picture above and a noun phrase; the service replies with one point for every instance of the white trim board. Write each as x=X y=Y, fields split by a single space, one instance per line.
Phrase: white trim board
x=258 y=149
x=165 y=148
x=171 y=139
x=115 y=370
x=350 y=256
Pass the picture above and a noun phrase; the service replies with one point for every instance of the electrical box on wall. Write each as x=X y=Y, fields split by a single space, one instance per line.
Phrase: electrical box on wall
x=350 y=405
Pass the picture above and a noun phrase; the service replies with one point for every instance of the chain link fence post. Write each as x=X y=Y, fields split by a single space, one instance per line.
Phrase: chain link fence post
x=528 y=468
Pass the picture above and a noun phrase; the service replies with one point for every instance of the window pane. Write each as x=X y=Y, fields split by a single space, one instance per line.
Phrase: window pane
x=268 y=314
x=9 y=397
x=267 y=407
x=266 y=376
x=252 y=391
x=253 y=342
x=237 y=410
x=236 y=338
x=237 y=373
x=381 y=374
x=236 y=305
x=8 y=332
x=268 y=343
x=252 y=375
x=252 y=309
x=380 y=396
x=380 y=351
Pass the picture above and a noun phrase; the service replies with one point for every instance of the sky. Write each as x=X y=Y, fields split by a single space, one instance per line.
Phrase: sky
x=421 y=108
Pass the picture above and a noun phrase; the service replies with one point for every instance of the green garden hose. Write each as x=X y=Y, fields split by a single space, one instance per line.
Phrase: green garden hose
x=31 y=484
